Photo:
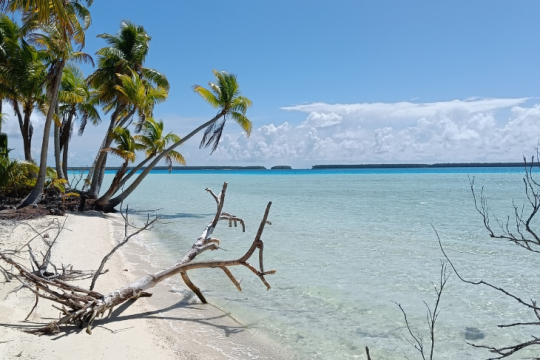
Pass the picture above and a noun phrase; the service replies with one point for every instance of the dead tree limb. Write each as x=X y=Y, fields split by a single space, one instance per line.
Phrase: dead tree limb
x=518 y=231
x=367 y=353
x=81 y=307
x=417 y=341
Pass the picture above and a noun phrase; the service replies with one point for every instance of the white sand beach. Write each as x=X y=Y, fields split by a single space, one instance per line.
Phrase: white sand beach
x=141 y=329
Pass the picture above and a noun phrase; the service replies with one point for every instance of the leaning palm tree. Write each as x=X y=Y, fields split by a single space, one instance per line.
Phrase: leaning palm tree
x=223 y=95
x=53 y=27
x=76 y=100
x=142 y=97
x=155 y=143
x=126 y=148
x=125 y=55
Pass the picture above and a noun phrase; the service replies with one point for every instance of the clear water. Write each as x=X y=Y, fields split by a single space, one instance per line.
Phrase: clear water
x=345 y=245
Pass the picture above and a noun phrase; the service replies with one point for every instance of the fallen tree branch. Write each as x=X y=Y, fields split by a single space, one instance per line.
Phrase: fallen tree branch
x=81 y=307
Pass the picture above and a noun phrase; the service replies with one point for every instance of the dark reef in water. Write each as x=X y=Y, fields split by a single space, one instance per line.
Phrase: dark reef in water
x=472 y=333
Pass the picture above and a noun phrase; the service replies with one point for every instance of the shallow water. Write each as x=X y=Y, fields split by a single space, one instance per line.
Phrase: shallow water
x=345 y=245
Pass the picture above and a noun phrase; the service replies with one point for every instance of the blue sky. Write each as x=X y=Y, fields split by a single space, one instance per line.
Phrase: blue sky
x=352 y=53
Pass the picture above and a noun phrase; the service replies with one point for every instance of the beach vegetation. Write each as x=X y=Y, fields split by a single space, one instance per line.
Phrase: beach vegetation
x=53 y=182
x=17 y=177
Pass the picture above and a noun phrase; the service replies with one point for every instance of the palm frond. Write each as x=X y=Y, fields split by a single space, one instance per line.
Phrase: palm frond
x=177 y=157
x=216 y=136
x=243 y=121
x=207 y=95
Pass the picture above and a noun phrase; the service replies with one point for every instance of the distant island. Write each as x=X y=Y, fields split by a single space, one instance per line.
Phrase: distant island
x=183 y=168
x=335 y=166
x=410 y=166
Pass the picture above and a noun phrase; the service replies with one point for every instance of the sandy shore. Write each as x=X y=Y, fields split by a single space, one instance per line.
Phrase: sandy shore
x=165 y=326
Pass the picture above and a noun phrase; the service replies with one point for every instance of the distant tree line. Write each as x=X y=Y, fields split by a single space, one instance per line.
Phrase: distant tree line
x=412 y=166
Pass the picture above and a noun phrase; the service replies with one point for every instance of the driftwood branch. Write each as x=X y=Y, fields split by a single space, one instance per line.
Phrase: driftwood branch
x=147 y=226
x=81 y=307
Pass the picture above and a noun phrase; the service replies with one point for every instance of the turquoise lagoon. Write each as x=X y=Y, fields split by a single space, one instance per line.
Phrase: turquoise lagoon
x=346 y=245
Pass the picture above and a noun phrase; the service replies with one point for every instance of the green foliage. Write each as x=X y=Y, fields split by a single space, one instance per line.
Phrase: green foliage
x=16 y=177
x=121 y=75
x=126 y=146
x=52 y=182
x=155 y=142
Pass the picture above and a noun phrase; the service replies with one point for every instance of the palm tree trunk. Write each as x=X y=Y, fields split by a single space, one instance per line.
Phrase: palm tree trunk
x=37 y=192
x=93 y=174
x=120 y=198
x=65 y=160
x=27 y=133
x=58 y=163
x=114 y=186
x=132 y=172
x=15 y=105
x=24 y=130
x=65 y=137
x=1 y=100
x=101 y=158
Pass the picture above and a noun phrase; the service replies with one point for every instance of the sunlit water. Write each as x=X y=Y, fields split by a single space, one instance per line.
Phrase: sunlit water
x=347 y=245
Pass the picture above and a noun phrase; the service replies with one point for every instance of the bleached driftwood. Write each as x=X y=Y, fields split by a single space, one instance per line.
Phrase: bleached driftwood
x=81 y=306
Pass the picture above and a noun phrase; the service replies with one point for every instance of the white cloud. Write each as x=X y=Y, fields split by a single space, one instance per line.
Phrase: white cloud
x=452 y=131
x=404 y=109
x=319 y=119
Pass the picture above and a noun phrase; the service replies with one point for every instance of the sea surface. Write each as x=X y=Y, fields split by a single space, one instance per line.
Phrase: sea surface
x=348 y=245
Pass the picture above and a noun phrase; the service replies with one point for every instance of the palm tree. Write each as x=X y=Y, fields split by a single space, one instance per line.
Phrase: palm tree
x=224 y=96
x=142 y=97
x=53 y=25
x=22 y=75
x=125 y=56
x=76 y=100
x=64 y=14
x=126 y=146
x=154 y=142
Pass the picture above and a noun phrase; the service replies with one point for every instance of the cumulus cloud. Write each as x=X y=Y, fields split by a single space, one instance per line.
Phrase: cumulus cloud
x=469 y=130
x=452 y=131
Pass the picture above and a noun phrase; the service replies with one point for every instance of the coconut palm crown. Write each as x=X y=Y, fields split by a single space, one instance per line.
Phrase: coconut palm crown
x=154 y=142
x=224 y=95
x=126 y=146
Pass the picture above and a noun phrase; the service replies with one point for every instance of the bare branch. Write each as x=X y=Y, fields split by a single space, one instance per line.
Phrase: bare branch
x=147 y=226
x=431 y=316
